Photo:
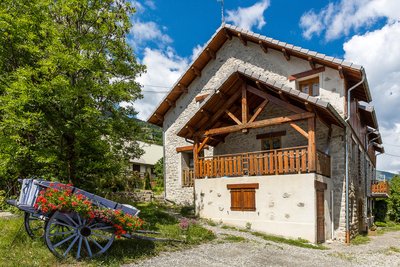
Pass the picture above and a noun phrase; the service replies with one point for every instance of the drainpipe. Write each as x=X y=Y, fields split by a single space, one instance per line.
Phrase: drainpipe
x=347 y=153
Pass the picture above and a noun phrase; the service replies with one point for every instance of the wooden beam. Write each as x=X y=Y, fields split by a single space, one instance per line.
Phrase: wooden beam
x=196 y=157
x=299 y=129
x=259 y=124
x=159 y=117
x=341 y=74
x=282 y=96
x=286 y=54
x=170 y=103
x=201 y=146
x=242 y=39
x=309 y=108
x=187 y=148
x=183 y=88
x=211 y=53
x=312 y=63
x=228 y=34
x=263 y=46
x=191 y=130
x=201 y=97
x=196 y=71
x=224 y=107
x=245 y=108
x=259 y=109
x=274 y=100
x=206 y=113
x=306 y=73
x=233 y=117
x=312 y=150
x=259 y=86
x=222 y=96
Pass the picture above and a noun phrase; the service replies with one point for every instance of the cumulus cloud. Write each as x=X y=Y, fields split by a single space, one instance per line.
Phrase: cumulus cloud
x=143 y=32
x=163 y=70
x=378 y=51
x=248 y=17
x=346 y=16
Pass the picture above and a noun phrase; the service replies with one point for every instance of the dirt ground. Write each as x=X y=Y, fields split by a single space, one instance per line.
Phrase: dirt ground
x=382 y=250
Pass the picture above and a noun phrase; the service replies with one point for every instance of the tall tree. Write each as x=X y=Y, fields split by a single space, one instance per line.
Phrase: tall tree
x=65 y=67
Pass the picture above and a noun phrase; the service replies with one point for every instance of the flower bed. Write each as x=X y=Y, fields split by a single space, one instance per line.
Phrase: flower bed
x=61 y=198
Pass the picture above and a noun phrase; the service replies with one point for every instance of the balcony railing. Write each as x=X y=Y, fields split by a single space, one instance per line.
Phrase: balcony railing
x=380 y=188
x=188 y=177
x=271 y=162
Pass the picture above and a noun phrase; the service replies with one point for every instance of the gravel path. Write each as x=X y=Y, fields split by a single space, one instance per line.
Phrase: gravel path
x=383 y=250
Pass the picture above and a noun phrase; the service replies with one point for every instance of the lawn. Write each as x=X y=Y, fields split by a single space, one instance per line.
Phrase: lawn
x=18 y=249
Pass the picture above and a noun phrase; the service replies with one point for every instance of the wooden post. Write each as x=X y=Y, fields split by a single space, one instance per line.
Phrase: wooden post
x=311 y=145
x=245 y=110
x=196 y=157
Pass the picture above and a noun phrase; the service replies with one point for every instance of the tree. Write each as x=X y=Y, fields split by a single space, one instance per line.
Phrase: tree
x=394 y=199
x=65 y=67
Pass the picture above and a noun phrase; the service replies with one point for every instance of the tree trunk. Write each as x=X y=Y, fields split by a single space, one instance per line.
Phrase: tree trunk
x=71 y=157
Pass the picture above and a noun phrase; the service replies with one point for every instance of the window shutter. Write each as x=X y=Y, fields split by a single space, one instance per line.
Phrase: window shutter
x=243 y=196
x=236 y=203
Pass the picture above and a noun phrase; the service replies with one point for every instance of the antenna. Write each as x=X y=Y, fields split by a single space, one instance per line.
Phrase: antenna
x=222 y=11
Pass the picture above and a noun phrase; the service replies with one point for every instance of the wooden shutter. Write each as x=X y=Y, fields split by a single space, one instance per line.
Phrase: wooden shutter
x=243 y=196
x=236 y=202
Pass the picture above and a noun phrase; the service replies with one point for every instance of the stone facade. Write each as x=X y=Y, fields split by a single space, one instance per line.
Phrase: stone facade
x=233 y=56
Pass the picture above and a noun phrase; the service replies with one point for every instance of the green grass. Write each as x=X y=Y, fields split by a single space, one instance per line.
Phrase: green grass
x=294 y=242
x=18 y=249
x=234 y=238
x=387 y=227
x=343 y=256
x=394 y=249
x=360 y=239
x=227 y=227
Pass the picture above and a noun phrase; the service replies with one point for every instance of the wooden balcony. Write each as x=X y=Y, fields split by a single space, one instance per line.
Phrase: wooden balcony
x=188 y=177
x=380 y=189
x=270 y=162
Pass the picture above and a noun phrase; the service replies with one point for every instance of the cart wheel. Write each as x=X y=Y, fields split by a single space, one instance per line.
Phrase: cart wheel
x=69 y=233
x=34 y=226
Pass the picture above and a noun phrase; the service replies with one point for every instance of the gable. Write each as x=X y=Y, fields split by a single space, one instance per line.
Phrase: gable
x=353 y=73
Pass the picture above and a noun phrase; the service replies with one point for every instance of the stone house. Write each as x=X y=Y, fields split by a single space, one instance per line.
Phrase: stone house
x=264 y=133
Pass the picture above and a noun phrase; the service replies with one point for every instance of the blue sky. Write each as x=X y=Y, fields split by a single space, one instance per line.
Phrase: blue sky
x=167 y=35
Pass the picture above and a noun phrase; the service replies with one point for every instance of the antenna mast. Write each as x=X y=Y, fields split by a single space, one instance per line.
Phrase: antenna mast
x=222 y=11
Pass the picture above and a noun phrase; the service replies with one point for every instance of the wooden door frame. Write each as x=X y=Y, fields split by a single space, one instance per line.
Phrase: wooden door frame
x=320 y=187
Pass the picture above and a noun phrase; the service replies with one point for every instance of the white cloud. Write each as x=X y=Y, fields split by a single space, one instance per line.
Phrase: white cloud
x=196 y=51
x=150 y=4
x=248 y=17
x=378 y=51
x=163 y=70
x=341 y=18
x=148 y=32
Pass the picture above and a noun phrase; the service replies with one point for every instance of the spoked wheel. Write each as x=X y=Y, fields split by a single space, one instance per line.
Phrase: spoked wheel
x=69 y=233
x=34 y=226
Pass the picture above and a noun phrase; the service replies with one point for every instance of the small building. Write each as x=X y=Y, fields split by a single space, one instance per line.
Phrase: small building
x=145 y=164
x=264 y=133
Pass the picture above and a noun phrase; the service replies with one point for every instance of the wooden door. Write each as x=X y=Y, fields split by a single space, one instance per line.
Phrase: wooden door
x=320 y=216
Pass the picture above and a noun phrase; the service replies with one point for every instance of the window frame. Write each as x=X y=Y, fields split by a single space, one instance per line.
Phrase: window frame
x=309 y=82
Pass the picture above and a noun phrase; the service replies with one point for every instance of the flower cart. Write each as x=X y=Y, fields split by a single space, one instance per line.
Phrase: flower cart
x=73 y=221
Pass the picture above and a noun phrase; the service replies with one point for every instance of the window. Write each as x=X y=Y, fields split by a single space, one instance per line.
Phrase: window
x=271 y=143
x=243 y=196
x=136 y=167
x=310 y=87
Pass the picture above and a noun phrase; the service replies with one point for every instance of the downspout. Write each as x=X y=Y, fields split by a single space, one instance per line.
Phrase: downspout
x=347 y=153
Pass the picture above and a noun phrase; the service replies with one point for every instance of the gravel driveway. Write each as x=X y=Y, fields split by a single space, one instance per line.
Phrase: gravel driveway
x=383 y=250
